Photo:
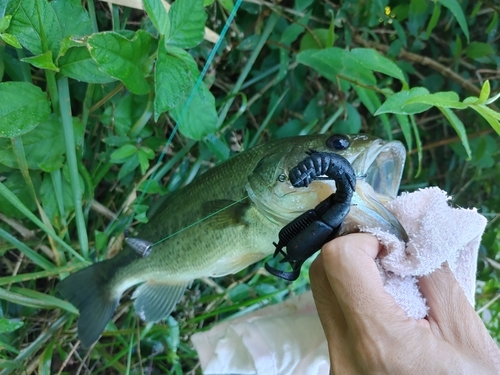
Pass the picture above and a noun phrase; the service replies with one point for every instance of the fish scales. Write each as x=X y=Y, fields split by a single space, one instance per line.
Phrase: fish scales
x=223 y=221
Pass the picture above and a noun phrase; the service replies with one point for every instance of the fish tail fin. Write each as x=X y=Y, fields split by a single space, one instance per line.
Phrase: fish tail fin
x=90 y=291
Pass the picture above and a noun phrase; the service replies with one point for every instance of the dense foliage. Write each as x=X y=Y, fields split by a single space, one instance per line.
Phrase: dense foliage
x=105 y=108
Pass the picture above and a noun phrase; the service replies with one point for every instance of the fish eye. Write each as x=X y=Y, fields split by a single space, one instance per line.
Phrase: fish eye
x=282 y=177
x=338 y=142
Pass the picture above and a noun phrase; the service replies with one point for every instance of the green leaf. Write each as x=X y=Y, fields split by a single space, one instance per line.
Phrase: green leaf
x=485 y=93
x=373 y=60
x=45 y=360
x=48 y=196
x=187 y=23
x=143 y=160
x=11 y=40
x=456 y=10
x=487 y=115
x=175 y=75
x=123 y=153
x=352 y=123
x=22 y=107
x=486 y=110
x=78 y=64
x=17 y=185
x=44 y=146
x=292 y=32
x=396 y=103
x=404 y=124
x=333 y=62
x=10 y=325
x=40 y=26
x=493 y=23
x=43 y=61
x=227 y=4
x=318 y=39
x=436 y=12
x=122 y=58
x=372 y=102
x=217 y=147
x=476 y=50
x=129 y=166
x=5 y=22
x=447 y=99
x=198 y=119
x=159 y=16
x=458 y=126
x=101 y=239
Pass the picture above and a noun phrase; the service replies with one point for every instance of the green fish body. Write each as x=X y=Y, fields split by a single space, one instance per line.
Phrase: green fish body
x=222 y=222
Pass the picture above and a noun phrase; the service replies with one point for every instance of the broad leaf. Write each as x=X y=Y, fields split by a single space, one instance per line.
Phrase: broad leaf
x=187 y=23
x=476 y=50
x=396 y=103
x=156 y=11
x=49 y=202
x=446 y=99
x=17 y=185
x=44 y=146
x=11 y=40
x=333 y=62
x=9 y=325
x=78 y=64
x=123 y=153
x=22 y=107
x=485 y=92
x=175 y=75
x=43 y=61
x=199 y=118
x=41 y=25
x=122 y=58
x=373 y=60
x=5 y=23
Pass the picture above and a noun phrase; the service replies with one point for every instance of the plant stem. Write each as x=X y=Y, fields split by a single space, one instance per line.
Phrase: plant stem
x=69 y=138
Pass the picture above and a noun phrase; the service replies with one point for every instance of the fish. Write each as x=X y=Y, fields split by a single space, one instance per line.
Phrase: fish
x=227 y=219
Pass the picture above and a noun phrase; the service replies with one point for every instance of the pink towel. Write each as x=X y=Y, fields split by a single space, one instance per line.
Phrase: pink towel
x=287 y=338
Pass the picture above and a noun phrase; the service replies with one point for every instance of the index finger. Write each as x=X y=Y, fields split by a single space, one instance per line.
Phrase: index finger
x=349 y=263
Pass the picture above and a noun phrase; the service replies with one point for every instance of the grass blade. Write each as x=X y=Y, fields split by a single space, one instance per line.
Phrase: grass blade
x=32 y=298
x=30 y=254
x=11 y=197
x=41 y=274
x=35 y=346
x=273 y=19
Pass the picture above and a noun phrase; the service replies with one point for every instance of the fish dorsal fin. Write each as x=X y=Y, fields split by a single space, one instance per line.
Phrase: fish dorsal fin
x=225 y=212
x=155 y=301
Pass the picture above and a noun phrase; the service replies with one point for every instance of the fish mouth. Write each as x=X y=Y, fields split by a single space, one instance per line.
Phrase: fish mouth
x=381 y=166
x=379 y=171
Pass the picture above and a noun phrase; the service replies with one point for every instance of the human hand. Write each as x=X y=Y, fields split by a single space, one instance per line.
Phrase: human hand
x=368 y=333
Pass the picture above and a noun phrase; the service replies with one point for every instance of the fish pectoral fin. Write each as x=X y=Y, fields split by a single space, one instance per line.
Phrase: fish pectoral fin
x=230 y=265
x=155 y=301
x=225 y=212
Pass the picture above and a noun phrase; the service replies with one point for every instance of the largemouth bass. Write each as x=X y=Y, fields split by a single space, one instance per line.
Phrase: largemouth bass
x=227 y=219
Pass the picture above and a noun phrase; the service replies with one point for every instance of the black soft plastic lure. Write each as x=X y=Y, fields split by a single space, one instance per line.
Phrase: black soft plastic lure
x=306 y=234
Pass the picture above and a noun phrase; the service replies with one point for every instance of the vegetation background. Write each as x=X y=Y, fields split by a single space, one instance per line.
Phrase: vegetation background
x=90 y=96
